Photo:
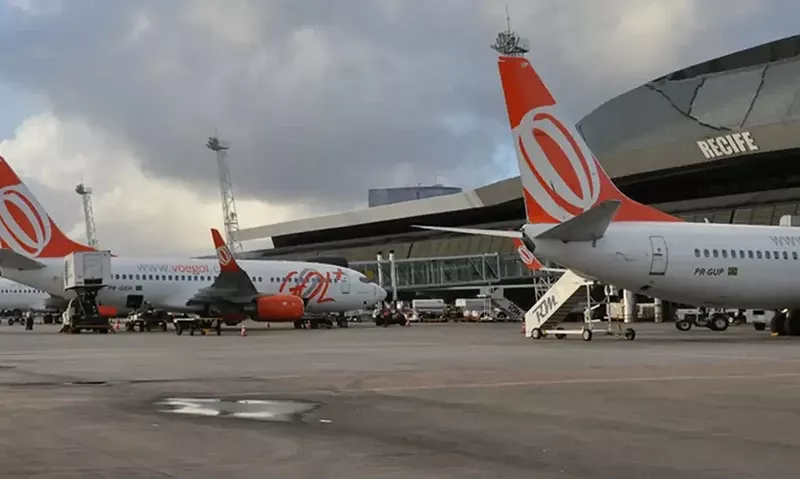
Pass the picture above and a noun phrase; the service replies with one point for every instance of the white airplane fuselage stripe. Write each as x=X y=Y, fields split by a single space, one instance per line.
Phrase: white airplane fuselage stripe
x=18 y=296
x=169 y=283
x=628 y=257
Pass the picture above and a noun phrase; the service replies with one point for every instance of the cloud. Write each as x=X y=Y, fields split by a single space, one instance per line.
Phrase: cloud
x=135 y=214
x=320 y=100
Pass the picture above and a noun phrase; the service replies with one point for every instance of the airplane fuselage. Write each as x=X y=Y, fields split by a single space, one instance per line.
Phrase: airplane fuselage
x=169 y=283
x=15 y=296
x=716 y=265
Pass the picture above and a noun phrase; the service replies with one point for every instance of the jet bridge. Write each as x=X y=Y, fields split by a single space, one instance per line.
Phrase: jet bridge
x=560 y=300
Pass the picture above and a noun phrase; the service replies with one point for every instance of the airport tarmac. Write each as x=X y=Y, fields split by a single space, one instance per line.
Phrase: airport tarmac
x=428 y=401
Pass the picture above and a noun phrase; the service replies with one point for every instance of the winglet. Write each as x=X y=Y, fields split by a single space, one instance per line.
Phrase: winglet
x=227 y=262
x=589 y=226
x=526 y=256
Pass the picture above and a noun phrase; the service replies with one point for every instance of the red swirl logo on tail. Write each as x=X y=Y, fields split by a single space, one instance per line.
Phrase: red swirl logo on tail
x=224 y=255
x=558 y=170
x=24 y=224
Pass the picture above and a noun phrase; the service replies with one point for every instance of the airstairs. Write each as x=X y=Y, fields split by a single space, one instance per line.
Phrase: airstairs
x=496 y=296
x=561 y=299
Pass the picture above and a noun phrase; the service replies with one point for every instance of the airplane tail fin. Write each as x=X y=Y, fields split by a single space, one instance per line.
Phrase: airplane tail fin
x=25 y=226
x=528 y=259
x=231 y=275
x=227 y=262
x=561 y=178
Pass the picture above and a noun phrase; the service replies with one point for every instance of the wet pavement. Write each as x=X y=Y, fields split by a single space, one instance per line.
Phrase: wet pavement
x=429 y=401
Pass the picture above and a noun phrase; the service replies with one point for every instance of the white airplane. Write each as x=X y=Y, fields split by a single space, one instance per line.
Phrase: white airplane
x=18 y=297
x=579 y=219
x=34 y=249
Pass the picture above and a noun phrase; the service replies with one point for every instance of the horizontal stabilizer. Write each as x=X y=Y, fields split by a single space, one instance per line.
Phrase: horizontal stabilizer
x=589 y=226
x=473 y=231
x=13 y=260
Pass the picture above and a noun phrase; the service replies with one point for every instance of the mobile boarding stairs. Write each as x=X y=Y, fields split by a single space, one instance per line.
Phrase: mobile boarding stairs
x=561 y=299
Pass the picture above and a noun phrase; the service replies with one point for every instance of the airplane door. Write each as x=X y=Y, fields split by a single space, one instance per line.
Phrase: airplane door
x=345 y=282
x=134 y=301
x=658 y=249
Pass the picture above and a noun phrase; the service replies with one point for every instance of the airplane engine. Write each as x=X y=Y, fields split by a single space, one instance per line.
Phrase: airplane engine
x=107 y=311
x=279 y=307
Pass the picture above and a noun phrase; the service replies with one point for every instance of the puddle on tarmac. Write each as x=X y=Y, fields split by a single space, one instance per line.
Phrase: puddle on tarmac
x=257 y=409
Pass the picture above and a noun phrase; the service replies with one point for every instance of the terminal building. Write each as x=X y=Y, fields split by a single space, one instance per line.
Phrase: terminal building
x=715 y=142
x=390 y=196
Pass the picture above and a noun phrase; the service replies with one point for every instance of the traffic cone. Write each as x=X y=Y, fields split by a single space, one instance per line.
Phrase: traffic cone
x=243 y=331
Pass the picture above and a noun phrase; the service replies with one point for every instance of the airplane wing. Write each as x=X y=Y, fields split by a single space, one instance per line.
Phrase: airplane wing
x=472 y=231
x=12 y=260
x=588 y=226
x=232 y=286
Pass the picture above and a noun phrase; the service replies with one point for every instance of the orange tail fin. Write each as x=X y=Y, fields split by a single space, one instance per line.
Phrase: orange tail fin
x=526 y=256
x=226 y=260
x=561 y=178
x=25 y=226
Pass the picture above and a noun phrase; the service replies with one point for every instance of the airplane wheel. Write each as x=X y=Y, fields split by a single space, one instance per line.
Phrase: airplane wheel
x=586 y=334
x=630 y=334
x=560 y=335
x=683 y=325
x=719 y=322
x=537 y=333
x=759 y=326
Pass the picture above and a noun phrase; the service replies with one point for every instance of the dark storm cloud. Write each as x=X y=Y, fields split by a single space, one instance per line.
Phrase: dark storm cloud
x=320 y=99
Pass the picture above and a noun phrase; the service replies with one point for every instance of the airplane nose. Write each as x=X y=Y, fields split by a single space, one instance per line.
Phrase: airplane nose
x=380 y=293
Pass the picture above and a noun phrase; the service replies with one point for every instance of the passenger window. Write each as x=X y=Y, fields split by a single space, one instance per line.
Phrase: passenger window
x=697 y=253
x=758 y=254
x=794 y=255
x=741 y=253
x=259 y=279
x=733 y=253
x=169 y=277
x=137 y=276
x=750 y=254
x=766 y=255
x=716 y=253
x=116 y=276
x=705 y=253
x=785 y=255
x=775 y=255
x=724 y=253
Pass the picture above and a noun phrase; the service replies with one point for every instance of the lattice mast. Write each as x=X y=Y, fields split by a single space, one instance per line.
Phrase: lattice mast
x=88 y=214
x=229 y=216
x=509 y=43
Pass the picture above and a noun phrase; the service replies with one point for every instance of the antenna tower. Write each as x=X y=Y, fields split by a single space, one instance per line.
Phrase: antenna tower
x=88 y=213
x=510 y=44
x=229 y=216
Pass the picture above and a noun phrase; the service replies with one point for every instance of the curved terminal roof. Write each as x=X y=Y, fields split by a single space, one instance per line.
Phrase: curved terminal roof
x=666 y=125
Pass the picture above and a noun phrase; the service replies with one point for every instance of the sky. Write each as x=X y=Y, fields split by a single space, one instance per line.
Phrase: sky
x=319 y=100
